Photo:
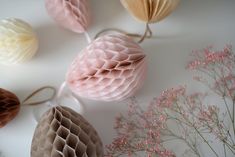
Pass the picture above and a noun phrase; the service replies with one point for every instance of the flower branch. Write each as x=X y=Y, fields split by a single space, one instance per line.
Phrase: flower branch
x=178 y=116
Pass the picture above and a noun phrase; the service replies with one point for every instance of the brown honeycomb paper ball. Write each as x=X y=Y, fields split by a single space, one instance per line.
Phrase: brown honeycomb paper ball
x=62 y=132
x=9 y=107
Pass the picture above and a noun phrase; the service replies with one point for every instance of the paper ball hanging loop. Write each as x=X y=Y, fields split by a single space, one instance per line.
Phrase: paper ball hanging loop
x=71 y=14
x=18 y=42
x=111 y=68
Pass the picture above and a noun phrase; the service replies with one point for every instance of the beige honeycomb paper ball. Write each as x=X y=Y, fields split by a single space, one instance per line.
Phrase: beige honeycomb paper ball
x=150 y=11
x=18 y=41
x=62 y=132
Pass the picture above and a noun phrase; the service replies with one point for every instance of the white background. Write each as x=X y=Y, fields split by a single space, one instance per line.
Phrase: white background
x=194 y=25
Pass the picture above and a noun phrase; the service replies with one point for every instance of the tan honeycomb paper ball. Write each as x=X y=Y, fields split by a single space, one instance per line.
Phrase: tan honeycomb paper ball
x=9 y=106
x=62 y=132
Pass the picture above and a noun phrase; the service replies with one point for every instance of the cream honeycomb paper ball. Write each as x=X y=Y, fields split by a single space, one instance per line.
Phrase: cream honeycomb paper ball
x=18 y=42
x=62 y=132
x=111 y=68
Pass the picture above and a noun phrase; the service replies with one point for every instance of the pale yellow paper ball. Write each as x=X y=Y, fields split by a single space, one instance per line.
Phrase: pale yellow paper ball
x=18 y=41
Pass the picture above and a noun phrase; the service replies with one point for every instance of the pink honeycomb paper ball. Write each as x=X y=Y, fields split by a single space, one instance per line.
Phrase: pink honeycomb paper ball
x=71 y=14
x=111 y=68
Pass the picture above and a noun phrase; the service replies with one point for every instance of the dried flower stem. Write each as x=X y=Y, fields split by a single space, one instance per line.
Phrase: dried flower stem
x=192 y=147
x=229 y=146
x=233 y=117
x=225 y=154
x=228 y=110
x=199 y=133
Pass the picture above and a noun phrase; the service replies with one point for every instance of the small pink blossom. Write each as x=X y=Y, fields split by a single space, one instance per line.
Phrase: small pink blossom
x=206 y=57
x=170 y=96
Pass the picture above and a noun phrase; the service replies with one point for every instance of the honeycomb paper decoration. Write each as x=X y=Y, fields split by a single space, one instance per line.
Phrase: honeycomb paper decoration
x=18 y=42
x=111 y=68
x=71 y=14
x=9 y=107
x=62 y=132
x=150 y=11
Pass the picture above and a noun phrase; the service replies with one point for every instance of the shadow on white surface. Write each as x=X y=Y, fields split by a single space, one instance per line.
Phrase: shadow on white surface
x=53 y=39
x=102 y=117
x=105 y=12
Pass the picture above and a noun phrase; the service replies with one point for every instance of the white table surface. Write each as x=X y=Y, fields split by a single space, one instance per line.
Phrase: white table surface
x=194 y=25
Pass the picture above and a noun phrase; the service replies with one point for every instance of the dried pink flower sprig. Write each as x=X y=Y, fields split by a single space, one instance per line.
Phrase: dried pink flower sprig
x=207 y=58
x=139 y=131
x=176 y=115
x=219 y=66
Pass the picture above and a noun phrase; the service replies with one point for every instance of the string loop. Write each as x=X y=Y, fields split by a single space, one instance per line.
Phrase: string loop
x=147 y=34
x=24 y=102
x=54 y=100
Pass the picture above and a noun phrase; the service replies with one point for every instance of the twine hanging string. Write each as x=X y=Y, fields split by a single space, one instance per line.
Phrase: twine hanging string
x=50 y=98
x=55 y=96
x=54 y=99
x=147 y=34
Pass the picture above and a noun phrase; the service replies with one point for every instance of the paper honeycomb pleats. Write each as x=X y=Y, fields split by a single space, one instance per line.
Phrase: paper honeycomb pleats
x=62 y=132
x=18 y=41
x=150 y=11
x=112 y=67
x=71 y=14
x=9 y=107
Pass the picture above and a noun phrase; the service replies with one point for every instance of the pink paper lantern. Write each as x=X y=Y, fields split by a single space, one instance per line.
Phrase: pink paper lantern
x=112 y=67
x=71 y=14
